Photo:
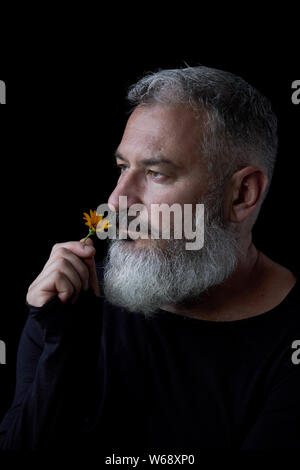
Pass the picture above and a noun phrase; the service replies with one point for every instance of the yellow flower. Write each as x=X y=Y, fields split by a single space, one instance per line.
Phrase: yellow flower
x=92 y=221
x=102 y=225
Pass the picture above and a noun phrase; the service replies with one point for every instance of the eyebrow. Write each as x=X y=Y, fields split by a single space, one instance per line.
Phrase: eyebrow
x=158 y=160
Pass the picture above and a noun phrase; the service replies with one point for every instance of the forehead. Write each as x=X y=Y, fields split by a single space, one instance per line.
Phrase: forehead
x=172 y=131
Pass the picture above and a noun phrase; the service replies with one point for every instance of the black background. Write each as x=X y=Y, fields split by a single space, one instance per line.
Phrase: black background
x=64 y=118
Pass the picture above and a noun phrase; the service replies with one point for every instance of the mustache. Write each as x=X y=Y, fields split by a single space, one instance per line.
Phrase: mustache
x=125 y=221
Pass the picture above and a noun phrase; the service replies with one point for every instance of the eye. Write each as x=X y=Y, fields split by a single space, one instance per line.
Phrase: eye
x=156 y=174
x=121 y=168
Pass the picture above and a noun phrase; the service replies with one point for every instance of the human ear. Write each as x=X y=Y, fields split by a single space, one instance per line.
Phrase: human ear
x=244 y=192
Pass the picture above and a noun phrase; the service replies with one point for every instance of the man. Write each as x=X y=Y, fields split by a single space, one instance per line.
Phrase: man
x=178 y=350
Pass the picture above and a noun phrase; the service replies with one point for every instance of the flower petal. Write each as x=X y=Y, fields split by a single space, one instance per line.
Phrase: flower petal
x=86 y=216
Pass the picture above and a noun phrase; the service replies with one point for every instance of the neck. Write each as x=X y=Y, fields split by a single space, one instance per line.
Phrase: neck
x=226 y=301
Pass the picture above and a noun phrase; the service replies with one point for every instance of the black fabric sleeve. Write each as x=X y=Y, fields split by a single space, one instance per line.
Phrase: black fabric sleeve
x=55 y=356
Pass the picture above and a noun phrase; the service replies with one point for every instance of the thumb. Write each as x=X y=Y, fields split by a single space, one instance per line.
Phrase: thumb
x=91 y=265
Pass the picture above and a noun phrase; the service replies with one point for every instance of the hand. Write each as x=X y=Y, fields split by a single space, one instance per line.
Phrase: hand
x=69 y=269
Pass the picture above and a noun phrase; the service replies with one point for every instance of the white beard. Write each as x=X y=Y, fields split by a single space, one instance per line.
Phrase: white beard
x=145 y=278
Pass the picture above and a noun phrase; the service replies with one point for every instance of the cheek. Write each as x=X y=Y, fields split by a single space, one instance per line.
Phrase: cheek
x=180 y=193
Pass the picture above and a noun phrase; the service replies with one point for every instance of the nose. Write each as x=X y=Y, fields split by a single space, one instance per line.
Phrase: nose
x=126 y=186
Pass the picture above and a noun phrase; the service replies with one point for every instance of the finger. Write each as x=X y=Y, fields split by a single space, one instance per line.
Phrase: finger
x=90 y=263
x=56 y=284
x=64 y=287
x=77 y=263
x=63 y=266
x=60 y=264
x=88 y=242
x=83 y=250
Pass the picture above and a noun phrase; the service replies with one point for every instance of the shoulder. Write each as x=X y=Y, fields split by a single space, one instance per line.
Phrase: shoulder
x=278 y=282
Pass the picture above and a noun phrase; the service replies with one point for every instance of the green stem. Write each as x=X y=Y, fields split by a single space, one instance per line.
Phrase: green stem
x=91 y=232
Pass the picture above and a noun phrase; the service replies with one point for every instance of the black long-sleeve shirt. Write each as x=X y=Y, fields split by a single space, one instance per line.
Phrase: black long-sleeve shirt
x=91 y=376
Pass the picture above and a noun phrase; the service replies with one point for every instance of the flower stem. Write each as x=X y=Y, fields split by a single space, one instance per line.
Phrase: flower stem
x=91 y=232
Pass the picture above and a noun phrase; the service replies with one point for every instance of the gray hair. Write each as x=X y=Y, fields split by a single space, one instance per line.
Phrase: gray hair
x=240 y=126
